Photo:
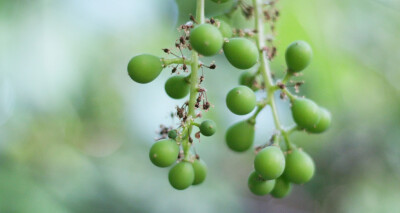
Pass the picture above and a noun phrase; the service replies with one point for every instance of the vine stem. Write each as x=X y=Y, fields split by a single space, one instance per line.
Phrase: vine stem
x=167 y=62
x=265 y=68
x=193 y=82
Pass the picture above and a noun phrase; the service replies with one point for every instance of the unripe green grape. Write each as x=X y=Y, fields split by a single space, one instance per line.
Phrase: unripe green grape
x=177 y=87
x=270 y=162
x=225 y=28
x=282 y=188
x=241 y=100
x=299 y=167
x=200 y=171
x=240 y=136
x=181 y=176
x=248 y=79
x=172 y=134
x=208 y=127
x=164 y=153
x=298 y=56
x=206 y=39
x=241 y=53
x=220 y=1
x=144 y=68
x=305 y=113
x=323 y=123
x=258 y=185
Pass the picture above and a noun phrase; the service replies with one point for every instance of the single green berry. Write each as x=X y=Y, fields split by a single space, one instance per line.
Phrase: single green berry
x=164 y=153
x=208 y=127
x=200 y=171
x=249 y=79
x=241 y=53
x=177 y=87
x=298 y=56
x=172 y=134
x=144 y=68
x=240 y=136
x=241 y=100
x=225 y=28
x=246 y=79
x=282 y=188
x=258 y=185
x=299 y=167
x=206 y=39
x=323 y=123
x=220 y=1
x=181 y=176
x=270 y=162
x=305 y=113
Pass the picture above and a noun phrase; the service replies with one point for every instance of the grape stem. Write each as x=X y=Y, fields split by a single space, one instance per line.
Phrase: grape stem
x=260 y=107
x=196 y=124
x=293 y=129
x=265 y=70
x=287 y=77
x=193 y=84
x=179 y=60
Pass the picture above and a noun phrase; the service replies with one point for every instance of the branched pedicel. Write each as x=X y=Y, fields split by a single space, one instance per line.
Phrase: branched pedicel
x=279 y=163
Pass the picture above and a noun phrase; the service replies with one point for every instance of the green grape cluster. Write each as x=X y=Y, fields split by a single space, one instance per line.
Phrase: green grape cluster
x=276 y=167
x=174 y=146
x=277 y=164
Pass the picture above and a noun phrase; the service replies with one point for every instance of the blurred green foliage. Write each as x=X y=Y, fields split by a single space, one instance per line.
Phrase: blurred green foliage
x=75 y=131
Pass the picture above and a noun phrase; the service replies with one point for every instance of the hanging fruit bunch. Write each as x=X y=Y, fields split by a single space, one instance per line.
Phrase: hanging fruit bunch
x=279 y=163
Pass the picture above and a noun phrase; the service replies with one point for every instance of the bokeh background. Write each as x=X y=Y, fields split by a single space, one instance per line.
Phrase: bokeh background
x=75 y=130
